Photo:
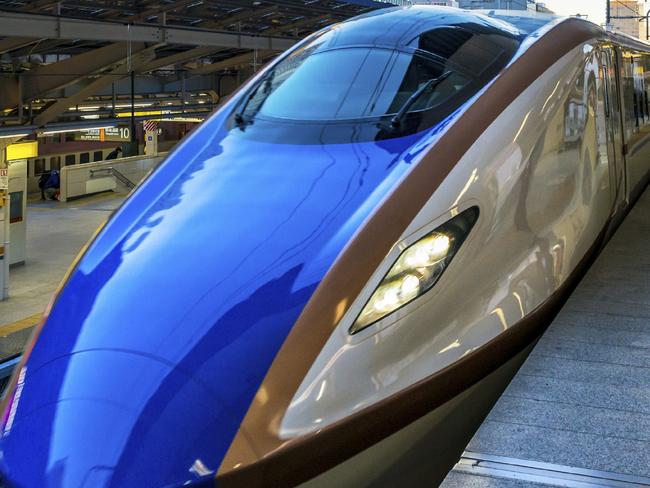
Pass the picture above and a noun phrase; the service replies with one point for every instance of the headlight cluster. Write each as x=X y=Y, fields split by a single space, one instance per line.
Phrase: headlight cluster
x=416 y=269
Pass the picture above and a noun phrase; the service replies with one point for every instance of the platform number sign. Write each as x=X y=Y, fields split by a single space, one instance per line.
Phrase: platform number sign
x=125 y=133
x=106 y=134
x=4 y=179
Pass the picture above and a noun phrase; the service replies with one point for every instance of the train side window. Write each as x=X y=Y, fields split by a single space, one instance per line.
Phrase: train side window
x=84 y=158
x=70 y=159
x=606 y=86
x=39 y=166
x=98 y=156
x=55 y=163
x=629 y=103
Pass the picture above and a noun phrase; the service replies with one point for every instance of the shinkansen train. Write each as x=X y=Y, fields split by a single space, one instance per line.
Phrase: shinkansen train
x=331 y=281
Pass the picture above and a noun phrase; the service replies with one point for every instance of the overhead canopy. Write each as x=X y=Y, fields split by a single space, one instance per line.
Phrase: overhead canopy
x=58 y=54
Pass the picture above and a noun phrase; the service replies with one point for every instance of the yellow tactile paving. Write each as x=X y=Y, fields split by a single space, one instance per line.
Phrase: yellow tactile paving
x=25 y=323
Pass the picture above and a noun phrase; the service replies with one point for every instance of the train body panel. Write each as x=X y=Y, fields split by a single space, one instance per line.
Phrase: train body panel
x=420 y=454
x=536 y=237
x=332 y=273
x=187 y=332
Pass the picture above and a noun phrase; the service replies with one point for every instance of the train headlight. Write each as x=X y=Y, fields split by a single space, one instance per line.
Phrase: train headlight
x=416 y=269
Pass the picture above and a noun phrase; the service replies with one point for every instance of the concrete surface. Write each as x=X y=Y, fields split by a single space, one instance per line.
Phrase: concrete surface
x=462 y=480
x=55 y=234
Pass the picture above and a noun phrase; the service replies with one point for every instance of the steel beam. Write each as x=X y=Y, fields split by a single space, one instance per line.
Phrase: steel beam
x=230 y=62
x=12 y=43
x=45 y=78
x=197 y=52
x=245 y=14
x=162 y=9
x=52 y=76
x=59 y=107
x=40 y=4
x=56 y=27
x=299 y=23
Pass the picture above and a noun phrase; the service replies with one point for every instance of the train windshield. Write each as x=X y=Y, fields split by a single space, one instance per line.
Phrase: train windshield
x=341 y=78
x=351 y=83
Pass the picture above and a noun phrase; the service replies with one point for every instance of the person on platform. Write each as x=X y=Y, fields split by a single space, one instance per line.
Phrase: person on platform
x=51 y=186
x=114 y=154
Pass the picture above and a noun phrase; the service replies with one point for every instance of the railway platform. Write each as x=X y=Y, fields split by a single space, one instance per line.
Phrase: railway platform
x=56 y=233
x=577 y=414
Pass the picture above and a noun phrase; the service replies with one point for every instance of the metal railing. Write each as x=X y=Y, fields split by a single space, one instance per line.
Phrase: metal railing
x=119 y=176
x=6 y=368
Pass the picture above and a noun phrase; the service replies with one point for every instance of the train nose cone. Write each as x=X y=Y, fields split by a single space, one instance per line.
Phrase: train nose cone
x=109 y=418
x=163 y=333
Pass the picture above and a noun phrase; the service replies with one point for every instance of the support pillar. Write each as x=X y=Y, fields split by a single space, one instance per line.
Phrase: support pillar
x=4 y=225
x=150 y=137
x=4 y=216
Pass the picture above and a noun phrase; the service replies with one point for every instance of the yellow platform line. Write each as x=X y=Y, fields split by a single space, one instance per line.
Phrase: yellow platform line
x=25 y=323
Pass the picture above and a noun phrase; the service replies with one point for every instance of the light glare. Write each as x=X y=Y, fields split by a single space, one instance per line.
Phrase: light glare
x=416 y=269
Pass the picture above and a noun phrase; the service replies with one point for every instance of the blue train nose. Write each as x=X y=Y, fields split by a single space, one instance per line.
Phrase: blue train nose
x=162 y=335
x=112 y=418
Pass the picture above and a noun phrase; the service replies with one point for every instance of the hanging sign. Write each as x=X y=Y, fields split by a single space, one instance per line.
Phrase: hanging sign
x=107 y=134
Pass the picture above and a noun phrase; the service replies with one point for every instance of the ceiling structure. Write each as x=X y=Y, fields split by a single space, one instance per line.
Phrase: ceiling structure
x=74 y=62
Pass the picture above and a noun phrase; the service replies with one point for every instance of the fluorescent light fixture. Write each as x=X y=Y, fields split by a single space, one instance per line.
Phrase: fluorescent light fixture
x=137 y=105
x=180 y=119
x=79 y=129
x=9 y=136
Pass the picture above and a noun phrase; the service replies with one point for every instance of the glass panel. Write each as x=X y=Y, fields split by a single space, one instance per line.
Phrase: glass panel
x=368 y=83
x=55 y=163
x=16 y=207
x=84 y=158
x=98 y=156
x=70 y=159
x=39 y=166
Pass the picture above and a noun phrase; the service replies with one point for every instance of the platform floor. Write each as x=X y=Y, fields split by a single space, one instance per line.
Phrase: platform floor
x=578 y=411
x=55 y=234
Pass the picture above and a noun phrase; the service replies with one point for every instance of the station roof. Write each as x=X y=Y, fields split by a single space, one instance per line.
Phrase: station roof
x=58 y=54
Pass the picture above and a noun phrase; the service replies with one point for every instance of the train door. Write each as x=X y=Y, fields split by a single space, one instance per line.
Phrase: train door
x=614 y=123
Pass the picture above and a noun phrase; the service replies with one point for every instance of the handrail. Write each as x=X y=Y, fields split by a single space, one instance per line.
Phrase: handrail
x=6 y=369
x=124 y=175
x=119 y=176
x=7 y=366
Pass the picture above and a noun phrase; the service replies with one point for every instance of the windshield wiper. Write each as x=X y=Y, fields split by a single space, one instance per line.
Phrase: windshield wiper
x=240 y=120
x=239 y=115
x=396 y=121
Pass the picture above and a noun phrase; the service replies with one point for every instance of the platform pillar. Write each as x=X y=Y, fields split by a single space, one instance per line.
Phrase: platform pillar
x=150 y=137
x=4 y=225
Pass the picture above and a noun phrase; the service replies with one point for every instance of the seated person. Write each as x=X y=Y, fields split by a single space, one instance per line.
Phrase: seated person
x=45 y=175
x=51 y=186
x=114 y=154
